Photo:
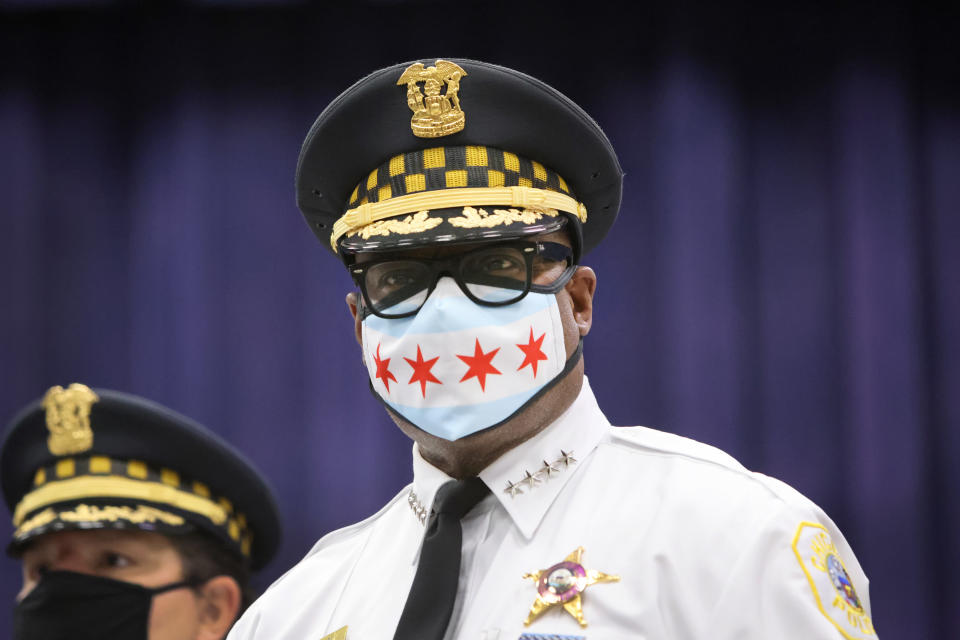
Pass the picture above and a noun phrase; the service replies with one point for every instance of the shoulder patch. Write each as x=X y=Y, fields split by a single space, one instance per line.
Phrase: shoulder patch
x=833 y=591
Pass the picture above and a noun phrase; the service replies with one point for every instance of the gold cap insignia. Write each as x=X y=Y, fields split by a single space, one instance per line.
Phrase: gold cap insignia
x=68 y=418
x=434 y=114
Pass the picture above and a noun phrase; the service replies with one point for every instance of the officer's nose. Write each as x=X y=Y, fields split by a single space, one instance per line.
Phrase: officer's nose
x=67 y=554
x=69 y=560
x=62 y=557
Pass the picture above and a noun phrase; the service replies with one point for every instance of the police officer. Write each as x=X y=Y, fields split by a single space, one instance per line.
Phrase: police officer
x=130 y=520
x=461 y=196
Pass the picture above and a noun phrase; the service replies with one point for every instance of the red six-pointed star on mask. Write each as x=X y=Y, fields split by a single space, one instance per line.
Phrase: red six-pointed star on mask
x=421 y=371
x=479 y=365
x=532 y=353
x=383 y=369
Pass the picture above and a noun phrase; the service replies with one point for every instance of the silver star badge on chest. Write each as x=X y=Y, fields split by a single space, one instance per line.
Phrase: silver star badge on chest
x=562 y=585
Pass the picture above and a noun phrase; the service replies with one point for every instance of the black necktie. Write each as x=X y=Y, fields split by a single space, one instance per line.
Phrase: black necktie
x=430 y=603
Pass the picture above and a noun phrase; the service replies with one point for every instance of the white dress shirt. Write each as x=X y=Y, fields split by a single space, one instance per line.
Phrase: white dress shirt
x=703 y=549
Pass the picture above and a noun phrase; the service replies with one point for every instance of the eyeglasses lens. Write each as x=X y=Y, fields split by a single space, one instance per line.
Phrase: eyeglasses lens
x=497 y=274
x=398 y=286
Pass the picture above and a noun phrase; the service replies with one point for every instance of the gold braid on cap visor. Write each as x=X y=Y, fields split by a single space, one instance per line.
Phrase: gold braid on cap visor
x=100 y=477
x=447 y=177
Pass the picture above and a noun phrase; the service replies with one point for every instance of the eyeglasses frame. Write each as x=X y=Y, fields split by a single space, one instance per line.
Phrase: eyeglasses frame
x=442 y=266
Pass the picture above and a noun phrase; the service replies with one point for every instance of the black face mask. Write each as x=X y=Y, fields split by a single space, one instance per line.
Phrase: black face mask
x=76 y=606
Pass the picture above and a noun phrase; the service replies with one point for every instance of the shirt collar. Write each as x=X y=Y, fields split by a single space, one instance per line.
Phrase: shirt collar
x=537 y=469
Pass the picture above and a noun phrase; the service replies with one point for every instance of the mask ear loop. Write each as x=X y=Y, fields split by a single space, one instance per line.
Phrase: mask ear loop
x=183 y=584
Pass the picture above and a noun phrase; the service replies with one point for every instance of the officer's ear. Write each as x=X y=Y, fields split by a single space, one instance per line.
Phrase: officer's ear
x=219 y=607
x=580 y=289
x=353 y=302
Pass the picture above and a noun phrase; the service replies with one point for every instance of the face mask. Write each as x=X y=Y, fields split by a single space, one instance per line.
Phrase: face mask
x=76 y=606
x=457 y=367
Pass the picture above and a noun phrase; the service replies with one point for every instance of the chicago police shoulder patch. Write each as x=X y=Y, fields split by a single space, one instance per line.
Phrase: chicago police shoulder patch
x=832 y=587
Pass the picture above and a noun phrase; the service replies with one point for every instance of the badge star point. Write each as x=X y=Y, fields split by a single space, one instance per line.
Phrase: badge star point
x=480 y=365
x=563 y=585
x=566 y=458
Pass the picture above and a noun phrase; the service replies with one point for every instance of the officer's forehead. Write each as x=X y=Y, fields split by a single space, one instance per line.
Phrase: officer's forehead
x=442 y=250
x=94 y=539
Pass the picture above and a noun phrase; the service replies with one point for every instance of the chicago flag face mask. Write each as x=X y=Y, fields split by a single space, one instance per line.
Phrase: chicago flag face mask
x=456 y=367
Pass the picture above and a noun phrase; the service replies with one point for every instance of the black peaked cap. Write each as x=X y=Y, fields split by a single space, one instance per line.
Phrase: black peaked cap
x=169 y=452
x=504 y=109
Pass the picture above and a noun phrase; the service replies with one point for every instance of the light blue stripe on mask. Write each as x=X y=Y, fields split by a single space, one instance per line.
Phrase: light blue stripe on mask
x=457 y=313
x=455 y=422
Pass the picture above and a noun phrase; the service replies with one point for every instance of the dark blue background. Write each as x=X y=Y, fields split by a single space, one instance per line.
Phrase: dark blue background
x=782 y=281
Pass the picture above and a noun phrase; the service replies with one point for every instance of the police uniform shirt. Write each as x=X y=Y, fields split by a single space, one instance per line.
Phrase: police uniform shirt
x=703 y=548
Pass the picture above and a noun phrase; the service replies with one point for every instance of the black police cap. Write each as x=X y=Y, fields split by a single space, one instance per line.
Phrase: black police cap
x=452 y=151
x=82 y=458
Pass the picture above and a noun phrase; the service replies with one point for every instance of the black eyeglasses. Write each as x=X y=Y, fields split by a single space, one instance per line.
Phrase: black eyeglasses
x=494 y=275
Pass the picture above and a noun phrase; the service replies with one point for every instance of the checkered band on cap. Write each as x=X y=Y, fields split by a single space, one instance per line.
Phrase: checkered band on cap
x=451 y=167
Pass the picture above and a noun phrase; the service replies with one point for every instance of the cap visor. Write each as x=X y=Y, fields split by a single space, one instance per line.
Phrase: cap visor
x=97 y=514
x=451 y=226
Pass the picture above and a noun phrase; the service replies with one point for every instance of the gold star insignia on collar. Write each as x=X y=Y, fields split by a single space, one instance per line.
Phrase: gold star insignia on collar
x=417 y=507
x=563 y=584
x=513 y=489
x=549 y=468
x=530 y=479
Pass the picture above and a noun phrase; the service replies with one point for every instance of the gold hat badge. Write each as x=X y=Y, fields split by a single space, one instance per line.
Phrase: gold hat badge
x=434 y=114
x=68 y=418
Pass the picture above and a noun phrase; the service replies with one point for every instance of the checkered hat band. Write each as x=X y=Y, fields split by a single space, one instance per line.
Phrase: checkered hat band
x=452 y=167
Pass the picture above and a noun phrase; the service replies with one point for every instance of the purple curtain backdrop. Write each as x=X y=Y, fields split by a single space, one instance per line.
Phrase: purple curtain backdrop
x=782 y=281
